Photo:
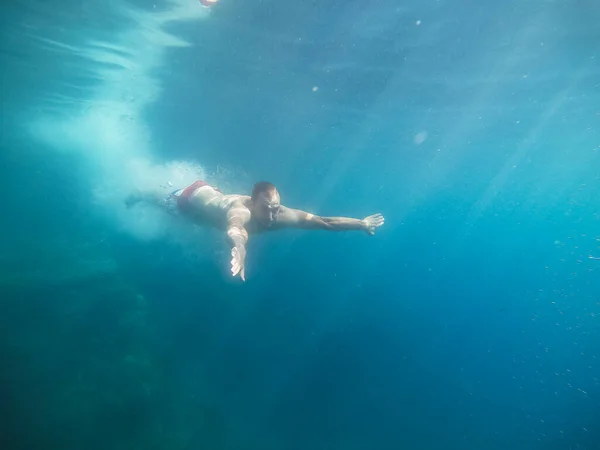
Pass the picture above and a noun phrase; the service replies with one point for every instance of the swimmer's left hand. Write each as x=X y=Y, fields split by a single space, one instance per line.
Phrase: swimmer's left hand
x=372 y=222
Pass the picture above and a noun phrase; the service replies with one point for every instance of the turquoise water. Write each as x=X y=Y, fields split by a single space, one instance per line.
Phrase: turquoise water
x=468 y=322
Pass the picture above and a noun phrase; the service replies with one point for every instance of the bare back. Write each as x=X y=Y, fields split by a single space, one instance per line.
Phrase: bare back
x=214 y=207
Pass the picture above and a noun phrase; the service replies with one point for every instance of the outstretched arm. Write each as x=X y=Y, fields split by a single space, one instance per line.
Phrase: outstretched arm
x=296 y=218
x=237 y=217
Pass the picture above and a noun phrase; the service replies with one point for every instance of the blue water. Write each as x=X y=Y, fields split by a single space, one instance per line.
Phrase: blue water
x=468 y=322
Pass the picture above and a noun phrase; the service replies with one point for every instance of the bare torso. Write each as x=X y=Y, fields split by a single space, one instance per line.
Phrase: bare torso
x=212 y=207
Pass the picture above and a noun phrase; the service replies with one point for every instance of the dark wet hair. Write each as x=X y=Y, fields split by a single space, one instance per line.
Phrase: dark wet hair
x=263 y=187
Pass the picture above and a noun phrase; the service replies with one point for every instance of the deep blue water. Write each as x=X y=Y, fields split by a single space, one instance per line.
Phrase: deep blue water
x=469 y=321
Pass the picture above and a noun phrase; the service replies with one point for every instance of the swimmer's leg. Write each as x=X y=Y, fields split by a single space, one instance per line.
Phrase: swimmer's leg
x=151 y=198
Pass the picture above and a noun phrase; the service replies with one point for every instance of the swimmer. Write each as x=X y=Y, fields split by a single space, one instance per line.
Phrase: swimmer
x=242 y=215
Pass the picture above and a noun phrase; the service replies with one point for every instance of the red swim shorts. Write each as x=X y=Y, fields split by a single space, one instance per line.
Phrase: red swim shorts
x=184 y=197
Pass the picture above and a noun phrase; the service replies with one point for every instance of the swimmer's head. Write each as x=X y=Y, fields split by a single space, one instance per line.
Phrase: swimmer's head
x=265 y=203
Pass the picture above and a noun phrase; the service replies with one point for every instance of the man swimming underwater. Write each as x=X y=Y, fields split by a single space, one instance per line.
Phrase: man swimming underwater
x=241 y=215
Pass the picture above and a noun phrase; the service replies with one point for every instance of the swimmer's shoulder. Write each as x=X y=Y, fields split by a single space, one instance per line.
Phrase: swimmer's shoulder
x=228 y=201
x=237 y=198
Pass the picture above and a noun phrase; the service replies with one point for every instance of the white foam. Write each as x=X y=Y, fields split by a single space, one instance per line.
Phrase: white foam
x=106 y=126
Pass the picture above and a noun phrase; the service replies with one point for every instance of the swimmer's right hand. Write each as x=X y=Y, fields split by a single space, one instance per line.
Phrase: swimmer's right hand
x=238 y=259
